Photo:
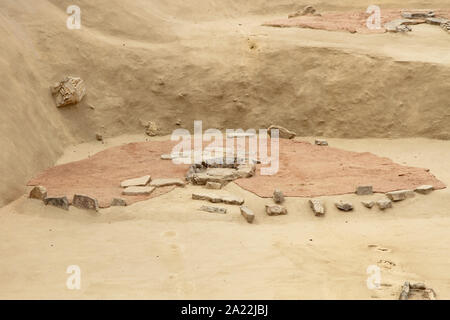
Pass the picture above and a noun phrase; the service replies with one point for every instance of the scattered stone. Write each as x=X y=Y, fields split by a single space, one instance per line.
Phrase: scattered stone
x=138 y=191
x=404 y=295
x=436 y=21
x=275 y=210
x=418 y=14
x=168 y=157
x=425 y=189
x=85 y=202
x=384 y=204
x=418 y=286
x=213 y=209
x=278 y=196
x=317 y=207
x=233 y=200
x=246 y=170
x=213 y=185
x=401 y=25
x=308 y=10
x=99 y=137
x=117 y=202
x=178 y=123
x=61 y=202
x=247 y=214
x=319 y=142
x=364 y=190
x=400 y=195
x=167 y=182
x=69 y=91
x=344 y=206
x=368 y=204
x=151 y=129
x=227 y=199
x=142 y=181
x=446 y=26
x=38 y=192
x=283 y=132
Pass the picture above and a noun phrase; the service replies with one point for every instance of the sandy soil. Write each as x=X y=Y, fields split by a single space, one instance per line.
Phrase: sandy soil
x=166 y=248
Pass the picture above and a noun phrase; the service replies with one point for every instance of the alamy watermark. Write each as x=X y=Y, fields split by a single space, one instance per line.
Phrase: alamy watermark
x=74 y=20
x=74 y=280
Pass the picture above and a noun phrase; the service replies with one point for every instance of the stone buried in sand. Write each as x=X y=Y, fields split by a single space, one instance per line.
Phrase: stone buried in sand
x=142 y=181
x=368 y=204
x=319 y=142
x=283 y=132
x=117 y=202
x=85 y=202
x=69 y=91
x=400 y=195
x=404 y=295
x=344 y=206
x=167 y=182
x=275 y=210
x=227 y=199
x=278 y=196
x=425 y=189
x=436 y=21
x=61 y=202
x=38 y=192
x=247 y=214
x=213 y=209
x=138 y=191
x=384 y=204
x=317 y=207
x=364 y=190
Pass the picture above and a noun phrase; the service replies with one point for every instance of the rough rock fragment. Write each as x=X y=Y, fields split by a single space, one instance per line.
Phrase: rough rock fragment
x=275 y=210
x=117 y=202
x=213 y=209
x=151 y=129
x=233 y=200
x=364 y=190
x=38 y=192
x=317 y=207
x=436 y=21
x=138 y=191
x=425 y=189
x=400 y=195
x=85 y=202
x=283 y=132
x=384 y=204
x=167 y=182
x=418 y=14
x=319 y=142
x=246 y=170
x=278 y=196
x=418 y=286
x=401 y=25
x=368 y=204
x=344 y=206
x=213 y=185
x=61 y=202
x=308 y=10
x=69 y=91
x=142 y=181
x=247 y=214
x=404 y=295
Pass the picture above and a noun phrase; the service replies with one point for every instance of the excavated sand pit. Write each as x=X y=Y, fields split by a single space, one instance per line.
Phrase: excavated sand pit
x=305 y=170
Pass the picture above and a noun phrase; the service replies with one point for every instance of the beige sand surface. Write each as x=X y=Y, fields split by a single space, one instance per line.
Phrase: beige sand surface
x=165 y=248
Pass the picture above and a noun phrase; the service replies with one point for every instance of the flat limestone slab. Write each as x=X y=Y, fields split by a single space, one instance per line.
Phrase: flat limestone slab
x=400 y=195
x=167 y=182
x=138 y=191
x=142 y=181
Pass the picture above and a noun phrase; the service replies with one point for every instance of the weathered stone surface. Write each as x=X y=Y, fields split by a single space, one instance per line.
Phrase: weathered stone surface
x=418 y=286
x=425 y=189
x=436 y=21
x=168 y=156
x=275 y=210
x=61 y=202
x=400 y=195
x=283 y=132
x=278 y=196
x=69 y=91
x=167 y=182
x=117 y=202
x=142 y=181
x=151 y=129
x=364 y=190
x=384 y=204
x=227 y=199
x=213 y=185
x=418 y=14
x=404 y=295
x=246 y=170
x=138 y=191
x=38 y=192
x=233 y=200
x=228 y=174
x=344 y=206
x=99 y=137
x=446 y=26
x=317 y=207
x=247 y=214
x=202 y=178
x=320 y=142
x=213 y=209
x=368 y=204
x=401 y=25
x=85 y=202
x=308 y=10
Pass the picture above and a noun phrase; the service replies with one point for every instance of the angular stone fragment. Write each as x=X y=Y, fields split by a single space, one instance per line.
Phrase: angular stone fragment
x=227 y=199
x=246 y=170
x=138 y=191
x=317 y=207
x=368 y=204
x=151 y=129
x=69 y=91
x=344 y=206
x=436 y=21
x=384 y=204
x=142 y=181
x=213 y=209
x=308 y=10
x=275 y=210
x=400 y=195
x=278 y=196
x=117 y=202
x=168 y=156
x=404 y=295
x=283 y=132
x=213 y=185
x=167 y=182
x=320 y=142
x=247 y=214
x=85 y=202
x=418 y=14
x=418 y=286
x=99 y=137
x=61 y=202
x=425 y=189
x=233 y=200
x=364 y=190
x=401 y=25
x=38 y=192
